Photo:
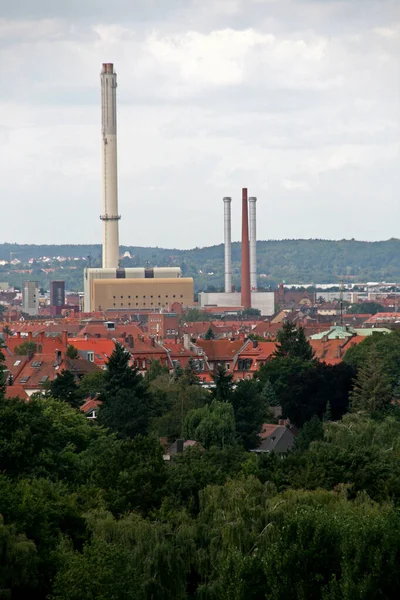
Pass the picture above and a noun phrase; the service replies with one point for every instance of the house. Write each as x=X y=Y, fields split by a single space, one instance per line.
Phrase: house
x=178 y=447
x=251 y=357
x=221 y=352
x=41 y=369
x=90 y=408
x=276 y=438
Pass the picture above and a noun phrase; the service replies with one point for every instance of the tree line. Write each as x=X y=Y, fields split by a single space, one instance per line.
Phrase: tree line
x=90 y=510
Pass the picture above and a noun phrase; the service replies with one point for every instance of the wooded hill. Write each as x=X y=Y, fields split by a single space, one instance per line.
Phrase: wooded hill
x=293 y=261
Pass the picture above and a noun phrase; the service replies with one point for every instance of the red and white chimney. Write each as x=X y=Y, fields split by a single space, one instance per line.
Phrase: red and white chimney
x=246 y=295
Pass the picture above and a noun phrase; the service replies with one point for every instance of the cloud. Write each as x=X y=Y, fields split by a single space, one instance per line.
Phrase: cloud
x=296 y=99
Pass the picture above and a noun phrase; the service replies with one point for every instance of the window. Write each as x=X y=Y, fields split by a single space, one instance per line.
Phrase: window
x=121 y=296
x=24 y=379
x=122 y=303
x=90 y=356
x=168 y=331
x=114 y=297
x=128 y=296
x=36 y=364
x=174 y=296
x=181 y=295
x=151 y=296
x=17 y=363
x=43 y=379
x=114 y=302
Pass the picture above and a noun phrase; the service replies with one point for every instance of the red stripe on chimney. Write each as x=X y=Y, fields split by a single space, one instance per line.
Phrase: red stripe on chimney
x=246 y=295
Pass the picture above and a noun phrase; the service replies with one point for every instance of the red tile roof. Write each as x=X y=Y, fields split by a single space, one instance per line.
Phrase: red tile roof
x=216 y=350
x=16 y=391
x=89 y=405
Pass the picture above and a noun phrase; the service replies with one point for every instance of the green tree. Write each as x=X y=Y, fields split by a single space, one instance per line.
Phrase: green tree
x=65 y=388
x=269 y=394
x=223 y=382
x=42 y=438
x=211 y=425
x=175 y=399
x=72 y=352
x=372 y=391
x=387 y=346
x=18 y=561
x=155 y=370
x=25 y=348
x=127 y=407
x=292 y=343
x=304 y=388
x=209 y=335
x=366 y=308
x=92 y=384
x=250 y=409
x=311 y=431
x=190 y=374
x=119 y=375
x=3 y=377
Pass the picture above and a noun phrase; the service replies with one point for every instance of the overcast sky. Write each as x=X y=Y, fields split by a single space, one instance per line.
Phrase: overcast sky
x=299 y=100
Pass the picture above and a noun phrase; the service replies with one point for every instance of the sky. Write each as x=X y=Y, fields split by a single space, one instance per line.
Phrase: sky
x=297 y=100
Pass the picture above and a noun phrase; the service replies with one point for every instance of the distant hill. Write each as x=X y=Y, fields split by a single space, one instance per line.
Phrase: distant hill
x=294 y=261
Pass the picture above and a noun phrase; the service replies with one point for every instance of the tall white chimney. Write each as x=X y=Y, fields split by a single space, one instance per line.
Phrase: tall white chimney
x=227 y=244
x=253 y=243
x=110 y=215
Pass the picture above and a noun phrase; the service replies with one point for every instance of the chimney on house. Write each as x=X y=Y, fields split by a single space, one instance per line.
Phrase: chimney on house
x=64 y=338
x=246 y=295
x=58 y=357
x=179 y=446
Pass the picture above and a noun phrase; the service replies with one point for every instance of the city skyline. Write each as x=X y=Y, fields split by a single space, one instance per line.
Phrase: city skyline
x=296 y=100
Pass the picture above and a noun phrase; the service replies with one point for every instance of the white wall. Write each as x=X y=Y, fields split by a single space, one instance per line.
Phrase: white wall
x=263 y=301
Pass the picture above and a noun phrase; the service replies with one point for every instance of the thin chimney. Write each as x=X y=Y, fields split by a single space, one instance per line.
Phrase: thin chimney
x=246 y=296
x=253 y=243
x=227 y=244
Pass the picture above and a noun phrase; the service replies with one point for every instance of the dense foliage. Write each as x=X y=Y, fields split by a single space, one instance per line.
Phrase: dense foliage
x=92 y=511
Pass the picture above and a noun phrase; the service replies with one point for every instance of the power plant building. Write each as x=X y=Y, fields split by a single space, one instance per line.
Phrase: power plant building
x=111 y=286
x=248 y=297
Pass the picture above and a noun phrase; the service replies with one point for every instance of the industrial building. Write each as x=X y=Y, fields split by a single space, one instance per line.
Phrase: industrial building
x=112 y=287
x=30 y=298
x=139 y=294
x=57 y=294
x=248 y=297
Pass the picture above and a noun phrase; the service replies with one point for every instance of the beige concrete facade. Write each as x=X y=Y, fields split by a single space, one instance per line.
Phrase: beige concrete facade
x=140 y=293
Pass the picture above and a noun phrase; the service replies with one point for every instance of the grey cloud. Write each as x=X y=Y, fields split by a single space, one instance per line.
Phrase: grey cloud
x=309 y=121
